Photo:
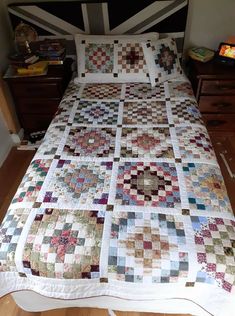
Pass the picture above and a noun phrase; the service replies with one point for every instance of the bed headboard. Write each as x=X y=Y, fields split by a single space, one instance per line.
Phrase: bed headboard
x=65 y=18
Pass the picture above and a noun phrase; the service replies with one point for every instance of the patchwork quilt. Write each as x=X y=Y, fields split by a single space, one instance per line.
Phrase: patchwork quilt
x=124 y=198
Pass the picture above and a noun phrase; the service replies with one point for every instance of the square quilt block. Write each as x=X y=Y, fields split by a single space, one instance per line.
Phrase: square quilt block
x=147 y=248
x=72 y=184
x=152 y=184
x=162 y=60
x=215 y=245
x=64 y=244
x=112 y=58
x=205 y=188
x=90 y=142
x=146 y=143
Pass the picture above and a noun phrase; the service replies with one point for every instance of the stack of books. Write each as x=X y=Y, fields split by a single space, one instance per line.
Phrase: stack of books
x=52 y=51
x=202 y=54
x=22 y=61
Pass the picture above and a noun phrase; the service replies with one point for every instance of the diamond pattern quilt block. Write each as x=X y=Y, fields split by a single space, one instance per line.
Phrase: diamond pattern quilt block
x=130 y=58
x=144 y=91
x=90 y=142
x=32 y=182
x=205 y=188
x=162 y=60
x=146 y=143
x=102 y=91
x=145 y=112
x=10 y=231
x=147 y=248
x=74 y=183
x=186 y=111
x=99 y=58
x=180 y=89
x=215 y=246
x=97 y=113
x=194 y=143
x=147 y=184
x=64 y=244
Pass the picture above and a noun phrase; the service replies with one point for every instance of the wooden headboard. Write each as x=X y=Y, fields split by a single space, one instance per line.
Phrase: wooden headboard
x=65 y=18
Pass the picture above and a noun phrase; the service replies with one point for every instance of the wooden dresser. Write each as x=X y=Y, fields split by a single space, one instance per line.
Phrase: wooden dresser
x=214 y=88
x=37 y=98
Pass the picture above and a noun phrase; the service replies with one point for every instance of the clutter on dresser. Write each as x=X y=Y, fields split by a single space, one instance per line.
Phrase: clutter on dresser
x=52 y=51
x=202 y=54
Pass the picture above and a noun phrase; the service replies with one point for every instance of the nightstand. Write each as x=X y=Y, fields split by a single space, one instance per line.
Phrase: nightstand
x=37 y=98
x=214 y=88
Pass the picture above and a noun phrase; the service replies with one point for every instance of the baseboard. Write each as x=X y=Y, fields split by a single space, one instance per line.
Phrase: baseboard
x=17 y=138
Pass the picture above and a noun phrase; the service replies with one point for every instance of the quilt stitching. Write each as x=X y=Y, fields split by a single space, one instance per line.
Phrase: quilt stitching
x=144 y=248
x=146 y=143
x=102 y=91
x=144 y=91
x=145 y=112
x=99 y=58
x=215 y=243
x=92 y=142
x=147 y=184
x=64 y=244
x=130 y=58
x=194 y=143
x=205 y=188
x=93 y=112
x=86 y=182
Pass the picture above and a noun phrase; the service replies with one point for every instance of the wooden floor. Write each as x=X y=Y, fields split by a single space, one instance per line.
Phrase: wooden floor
x=11 y=174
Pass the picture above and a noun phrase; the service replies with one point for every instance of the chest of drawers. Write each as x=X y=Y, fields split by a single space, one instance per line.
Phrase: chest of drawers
x=37 y=98
x=214 y=88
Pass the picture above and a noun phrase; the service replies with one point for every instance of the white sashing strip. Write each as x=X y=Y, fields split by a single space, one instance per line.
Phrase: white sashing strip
x=22 y=240
x=104 y=253
x=118 y=142
x=112 y=190
x=182 y=187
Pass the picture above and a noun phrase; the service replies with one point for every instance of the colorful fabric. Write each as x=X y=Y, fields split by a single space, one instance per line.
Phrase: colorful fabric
x=112 y=58
x=162 y=60
x=124 y=190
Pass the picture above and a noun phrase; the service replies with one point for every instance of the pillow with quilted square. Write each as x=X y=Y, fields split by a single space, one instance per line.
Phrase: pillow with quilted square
x=112 y=58
x=162 y=60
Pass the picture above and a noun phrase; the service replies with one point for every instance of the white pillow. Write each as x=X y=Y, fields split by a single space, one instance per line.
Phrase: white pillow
x=112 y=58
x=162 y=60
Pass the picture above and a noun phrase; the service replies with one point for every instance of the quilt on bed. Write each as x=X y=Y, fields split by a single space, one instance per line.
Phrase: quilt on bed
x=123 y=198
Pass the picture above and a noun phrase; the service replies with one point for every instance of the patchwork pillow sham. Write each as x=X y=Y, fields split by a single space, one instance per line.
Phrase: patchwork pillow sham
x=112 y=58
x=162 y=60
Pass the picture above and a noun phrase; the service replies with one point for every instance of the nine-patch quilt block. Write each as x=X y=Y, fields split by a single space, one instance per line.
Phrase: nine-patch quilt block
x=124 y=191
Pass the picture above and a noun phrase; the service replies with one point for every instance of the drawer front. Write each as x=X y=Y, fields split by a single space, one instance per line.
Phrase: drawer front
x=219 y=122
x=39 y=106
x=33 y=90
x=217 y=104
x=33 y=123
x=217 y=87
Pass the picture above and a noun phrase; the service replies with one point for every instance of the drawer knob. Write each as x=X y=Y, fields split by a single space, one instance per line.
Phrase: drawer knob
x=214 y=123
x=221 y=105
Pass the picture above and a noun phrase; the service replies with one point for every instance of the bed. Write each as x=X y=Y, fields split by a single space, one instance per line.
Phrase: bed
x=123 y=205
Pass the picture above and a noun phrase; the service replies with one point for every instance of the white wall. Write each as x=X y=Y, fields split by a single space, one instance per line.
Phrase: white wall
x=209 y=22
x=5 y=47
